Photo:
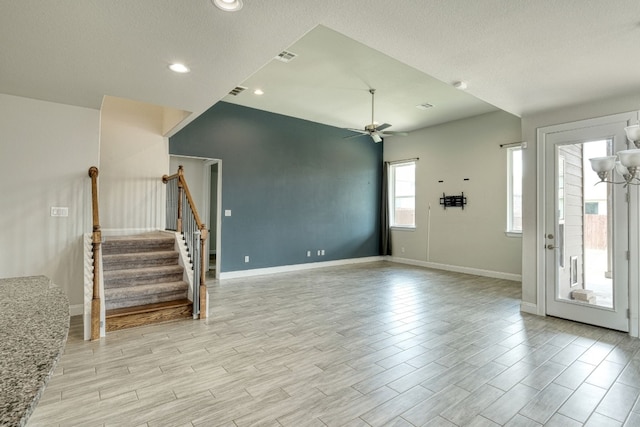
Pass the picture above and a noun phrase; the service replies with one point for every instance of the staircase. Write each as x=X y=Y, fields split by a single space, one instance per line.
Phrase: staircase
x=143 y=281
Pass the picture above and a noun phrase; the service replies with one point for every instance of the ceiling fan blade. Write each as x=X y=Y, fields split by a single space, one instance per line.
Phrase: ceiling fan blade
x=391 y=133
x=376 y=137
x=358 y=132
x=357 y=135
x=383 y=126
x=364 y=132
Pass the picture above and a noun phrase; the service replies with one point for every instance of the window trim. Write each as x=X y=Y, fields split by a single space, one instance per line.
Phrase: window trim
x=392 y=196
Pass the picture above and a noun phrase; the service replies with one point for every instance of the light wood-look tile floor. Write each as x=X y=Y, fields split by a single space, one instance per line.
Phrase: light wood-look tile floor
x=377 y=344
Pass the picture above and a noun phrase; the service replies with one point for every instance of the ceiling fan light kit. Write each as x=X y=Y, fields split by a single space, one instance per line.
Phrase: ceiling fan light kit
x=374 y=130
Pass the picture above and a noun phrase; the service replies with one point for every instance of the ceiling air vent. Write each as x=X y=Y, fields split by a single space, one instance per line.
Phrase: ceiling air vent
x=237 y=90
x=286 y=56
x=424 y=106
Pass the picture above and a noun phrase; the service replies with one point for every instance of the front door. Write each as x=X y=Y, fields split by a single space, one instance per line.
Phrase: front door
x=586 y=231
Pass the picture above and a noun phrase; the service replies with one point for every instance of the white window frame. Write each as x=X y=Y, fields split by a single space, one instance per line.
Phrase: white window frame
x=392 y=196
x=510 y=231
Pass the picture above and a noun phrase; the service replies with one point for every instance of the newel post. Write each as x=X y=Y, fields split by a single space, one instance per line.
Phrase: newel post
x=96 y=240
x=180 y=193
x=204 y=234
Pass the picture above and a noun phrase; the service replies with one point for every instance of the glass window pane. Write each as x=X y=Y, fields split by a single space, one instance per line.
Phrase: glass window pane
x=403 y=190
x=515 y=190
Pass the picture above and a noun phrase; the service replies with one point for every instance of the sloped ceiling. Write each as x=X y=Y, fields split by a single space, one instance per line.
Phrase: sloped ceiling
x=518 y=55
x=329 y=80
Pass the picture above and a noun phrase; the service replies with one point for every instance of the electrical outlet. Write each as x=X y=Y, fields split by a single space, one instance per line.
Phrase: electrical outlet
x=246 y=258
x=318 y=252
x=322 y=252
x=402 y=249
x=227 y=212
x=308 y=253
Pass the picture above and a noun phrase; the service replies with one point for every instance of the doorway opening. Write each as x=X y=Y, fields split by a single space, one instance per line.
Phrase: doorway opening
x=214 y=229
x=203 y=176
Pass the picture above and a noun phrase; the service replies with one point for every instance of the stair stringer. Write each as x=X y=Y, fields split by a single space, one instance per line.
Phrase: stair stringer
x=185 y=261
x=88 y=288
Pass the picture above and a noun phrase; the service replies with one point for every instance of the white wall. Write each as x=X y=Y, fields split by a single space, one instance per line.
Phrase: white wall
x=530 y=124
x=194 y=175
x=133 y=157
x=45 y=152
x=472 y=239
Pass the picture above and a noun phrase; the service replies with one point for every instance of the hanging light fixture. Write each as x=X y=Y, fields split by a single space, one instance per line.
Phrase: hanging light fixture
x=626 y=162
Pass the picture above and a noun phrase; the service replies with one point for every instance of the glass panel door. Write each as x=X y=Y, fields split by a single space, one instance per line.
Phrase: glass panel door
x=586 y=241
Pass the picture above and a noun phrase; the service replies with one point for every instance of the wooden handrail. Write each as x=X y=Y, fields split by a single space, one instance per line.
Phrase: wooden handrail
x=183 y=187
x=96 y=240
x=167 y=178
x=203 y=242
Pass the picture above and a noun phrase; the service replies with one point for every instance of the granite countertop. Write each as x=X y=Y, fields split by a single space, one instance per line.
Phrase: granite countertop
x=34 y=323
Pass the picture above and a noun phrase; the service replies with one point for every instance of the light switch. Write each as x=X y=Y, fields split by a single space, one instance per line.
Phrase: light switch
x=59 y=211
x=227 y=212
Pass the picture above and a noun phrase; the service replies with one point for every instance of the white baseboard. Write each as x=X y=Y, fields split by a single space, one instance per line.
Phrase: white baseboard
x=529 y=307
x=458 y=269
x=76 y=309
x=296 y=267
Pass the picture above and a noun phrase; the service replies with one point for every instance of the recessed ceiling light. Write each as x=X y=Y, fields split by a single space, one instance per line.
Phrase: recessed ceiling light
x=228 y=5
x=179 y=68
x=462 y=85
x=258 y=92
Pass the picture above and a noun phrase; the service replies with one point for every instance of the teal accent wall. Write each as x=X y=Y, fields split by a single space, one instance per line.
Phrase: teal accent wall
x=292 y=186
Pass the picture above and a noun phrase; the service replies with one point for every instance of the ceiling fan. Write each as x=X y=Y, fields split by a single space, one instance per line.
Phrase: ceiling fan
x=375 y=131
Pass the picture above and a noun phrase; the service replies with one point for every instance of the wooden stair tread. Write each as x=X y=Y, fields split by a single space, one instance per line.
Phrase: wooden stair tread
x=116 y=312
x=150 y=242
x=158 y=235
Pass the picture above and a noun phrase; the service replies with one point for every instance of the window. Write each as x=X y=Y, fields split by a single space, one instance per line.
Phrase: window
x=591 y=208
x=403 y=194
x=560 y=188
x=514 y=190
x=561 y=170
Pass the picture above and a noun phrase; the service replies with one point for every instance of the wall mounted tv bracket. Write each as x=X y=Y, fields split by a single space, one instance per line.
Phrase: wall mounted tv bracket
x=453 y=201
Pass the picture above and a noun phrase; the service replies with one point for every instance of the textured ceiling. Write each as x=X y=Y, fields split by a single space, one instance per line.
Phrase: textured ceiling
x=519 y=55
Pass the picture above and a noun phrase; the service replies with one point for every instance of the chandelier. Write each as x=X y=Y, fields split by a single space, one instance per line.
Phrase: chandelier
x=626 y=163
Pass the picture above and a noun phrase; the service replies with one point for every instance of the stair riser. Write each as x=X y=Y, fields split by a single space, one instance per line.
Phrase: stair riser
x=130 y=292
x=147 y=299
x=133 y=281
x=136 y=246
x=127 y=264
